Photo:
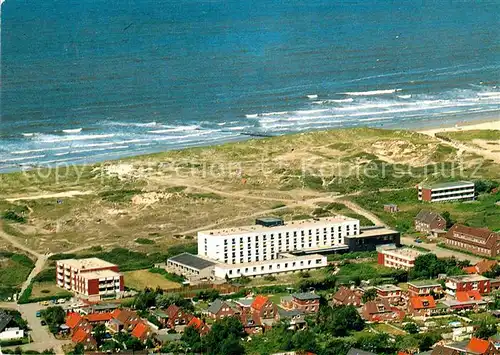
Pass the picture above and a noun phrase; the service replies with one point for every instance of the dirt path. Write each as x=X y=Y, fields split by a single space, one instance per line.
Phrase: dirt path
x=13 y=240
x=359 y=210
x=50 y=195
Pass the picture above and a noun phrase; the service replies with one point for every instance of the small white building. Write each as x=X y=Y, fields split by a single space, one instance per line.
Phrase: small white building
x=398 y=258
x=12 y=333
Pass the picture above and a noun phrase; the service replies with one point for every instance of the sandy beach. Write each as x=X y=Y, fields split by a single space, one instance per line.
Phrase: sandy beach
x=464 y=126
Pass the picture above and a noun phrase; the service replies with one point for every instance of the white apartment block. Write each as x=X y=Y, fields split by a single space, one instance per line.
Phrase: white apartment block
x=270 y=237
x=460 y=190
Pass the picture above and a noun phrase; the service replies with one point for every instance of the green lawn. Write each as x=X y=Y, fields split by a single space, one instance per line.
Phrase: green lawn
x=14 y=270
x=363 y=271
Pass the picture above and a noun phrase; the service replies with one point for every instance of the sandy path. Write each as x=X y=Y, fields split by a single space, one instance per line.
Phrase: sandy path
x=50 y=195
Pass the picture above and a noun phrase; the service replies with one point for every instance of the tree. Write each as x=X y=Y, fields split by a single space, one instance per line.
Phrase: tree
x=224 y=337
x=411 y=328
x=192 y=339
x=305 y=341
x=369 y=295
x=485 y=186
x=99 y=334
x=485 y=330
x=339 y=320
x=447 y=217
x=134 y=344
x=427 y=341
x=378 y=343
x=79 y=349
x=54 y=316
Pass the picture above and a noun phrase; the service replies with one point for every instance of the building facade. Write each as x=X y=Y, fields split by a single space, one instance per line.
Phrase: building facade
x=424 y=288
x=402 y=258
x=390 y=293
x=91 y=278
x=462 y=283
x=269 y=237
x=427 y=221
x=449 y=191
x=304 y=302
x=370 y=238
x=480 y=241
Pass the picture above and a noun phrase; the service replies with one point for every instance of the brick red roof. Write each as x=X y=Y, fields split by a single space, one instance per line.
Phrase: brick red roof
x=73 y=319
x=489 y=237
x=464 y=296
x=478 y=346
x=79 y=336
x=140 y=330
x=195 y=322
x=99 y=317
x=422 y=302
x=347 y=296
x=115 y=313
x=259 y=302
x=481 y=267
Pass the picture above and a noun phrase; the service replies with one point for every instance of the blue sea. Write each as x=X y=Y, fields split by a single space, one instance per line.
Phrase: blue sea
x=90 y=80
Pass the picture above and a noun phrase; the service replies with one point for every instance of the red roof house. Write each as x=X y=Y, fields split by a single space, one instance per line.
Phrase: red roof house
x=464 y=296
x=422 y=305
x=481 y=267
x=141 y=331
x=99 y=317
x=83 y=335
x=73 y=320
x=199 y=325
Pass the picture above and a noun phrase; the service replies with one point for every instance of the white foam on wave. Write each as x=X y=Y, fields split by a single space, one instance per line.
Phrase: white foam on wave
x=404 y=96
x=375 y=119
x=52 y=139
x=176 y=129
x=135 y=124
x=29 y=134
x=253 y=115
x=312 y=97
x=71 y=131
x=309 y=112
x=21 y=152
x=372 y=93
x=333 y=101
x=22 y=158
x=488 y=94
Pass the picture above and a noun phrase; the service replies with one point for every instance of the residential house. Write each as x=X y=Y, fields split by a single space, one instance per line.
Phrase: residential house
x=422 y=305
x=474 y=346
x=221 y=309
x=295 y=318
x=306 y=302
x=347 y=297
x=495 y=284
x=141 y=331
x=176 y=316
x=251 y=322
x=265 y=309
x=380 y=310
x=481 y=267
x=426 y=221
x=83 y=335
x=480 y=241
x=391 y=293
x=424 y=288
x=122 y=319
x=73 y=320
x=456 y=284
x=466 y=300
x=199 y=325
x=8 y=330
x=98 y=318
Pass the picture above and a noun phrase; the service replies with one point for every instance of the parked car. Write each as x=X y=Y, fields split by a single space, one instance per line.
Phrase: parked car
x=44 y=323
x=38 y=314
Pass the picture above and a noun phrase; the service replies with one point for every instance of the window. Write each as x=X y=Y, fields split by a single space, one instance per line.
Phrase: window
x=230 y=272
x=262 y=268
x=246 y=269
x=237 y=271
x=254 y=269
x=270 y=267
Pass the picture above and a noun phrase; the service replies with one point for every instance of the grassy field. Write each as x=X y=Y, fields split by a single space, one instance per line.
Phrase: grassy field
x=14 y=269
x=47 y=289
x=481 y=213
x=140 y=279
x=361 y=271
x=148 y=203
x=386 y=328
x=469 y=136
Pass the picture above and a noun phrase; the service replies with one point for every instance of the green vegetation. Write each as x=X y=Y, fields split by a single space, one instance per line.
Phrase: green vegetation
x=145 y=241
x=207 y=195
x=356 y=272
x=468 y=136
x=54 y=316
x=119 y=196
x=168 y=275
x=14 y=270
x=353 y=255
x=430 y=266
x=480 y=213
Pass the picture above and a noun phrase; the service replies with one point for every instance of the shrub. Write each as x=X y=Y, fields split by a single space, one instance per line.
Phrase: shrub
x=144 y=241
x=13 y=216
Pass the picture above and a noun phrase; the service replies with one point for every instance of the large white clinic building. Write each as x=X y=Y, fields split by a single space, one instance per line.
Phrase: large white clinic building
x=271 y=246
x=269 y=237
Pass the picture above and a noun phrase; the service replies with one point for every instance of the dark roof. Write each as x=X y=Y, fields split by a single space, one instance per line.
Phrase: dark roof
x=305 y=296
x=4 y=320
x=288 y=314
x=192 y=261
x=215 y=306
x=354 y=351
x=427 y=216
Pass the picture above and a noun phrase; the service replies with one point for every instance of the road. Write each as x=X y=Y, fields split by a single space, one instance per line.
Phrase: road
x=440 y=252
x=42 y=339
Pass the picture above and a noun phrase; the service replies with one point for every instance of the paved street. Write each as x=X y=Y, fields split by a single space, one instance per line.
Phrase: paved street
x=441 y=252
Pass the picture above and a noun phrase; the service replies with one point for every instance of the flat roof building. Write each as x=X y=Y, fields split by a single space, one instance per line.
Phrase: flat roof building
x=93 y=279
x=448 y=191
x=398 y=258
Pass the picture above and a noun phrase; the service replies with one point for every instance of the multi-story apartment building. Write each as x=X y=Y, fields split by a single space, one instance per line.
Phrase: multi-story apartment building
x=402 y=258
x=479 y=241
x=91 y=278
x=305 y=302
x=389 y=292
x=424 y=288
x=271 y=236
x=461 y=283
x=448 y=191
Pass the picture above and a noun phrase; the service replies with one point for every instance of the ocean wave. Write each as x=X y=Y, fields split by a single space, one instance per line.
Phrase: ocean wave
x=29 y=134
x=404 y=96
x=372 y=93
x=52 y=139
x=70 y=131
x=21 y=152
x=176 y=129
x=253 y=115
x=312 y=97
x=489 y=94
x=375 y=119
x=333 y=101
x=308 y=112
x=135 y=124
x=22 y=158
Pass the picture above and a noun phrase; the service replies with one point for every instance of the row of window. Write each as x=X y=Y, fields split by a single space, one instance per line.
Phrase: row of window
x=278 y=267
